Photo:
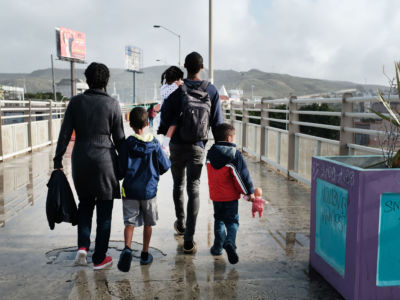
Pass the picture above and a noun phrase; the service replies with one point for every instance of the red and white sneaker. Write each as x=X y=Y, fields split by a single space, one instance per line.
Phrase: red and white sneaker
x=106 y=262
x=80 y=259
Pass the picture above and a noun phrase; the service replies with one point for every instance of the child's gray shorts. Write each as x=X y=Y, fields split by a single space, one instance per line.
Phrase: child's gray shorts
x=140 y=212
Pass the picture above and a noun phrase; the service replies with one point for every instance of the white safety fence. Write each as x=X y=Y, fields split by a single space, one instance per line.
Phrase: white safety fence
x=289 y=150
x=27 y=125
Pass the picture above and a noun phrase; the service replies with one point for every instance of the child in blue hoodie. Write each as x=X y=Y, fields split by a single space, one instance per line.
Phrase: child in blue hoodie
x=141 y=162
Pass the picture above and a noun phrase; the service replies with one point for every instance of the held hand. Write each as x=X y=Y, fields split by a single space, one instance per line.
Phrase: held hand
x=61 y=169
x=251 y=197
x=179 y=82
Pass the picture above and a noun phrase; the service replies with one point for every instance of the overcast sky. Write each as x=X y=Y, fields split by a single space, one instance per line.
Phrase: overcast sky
x=328 y=39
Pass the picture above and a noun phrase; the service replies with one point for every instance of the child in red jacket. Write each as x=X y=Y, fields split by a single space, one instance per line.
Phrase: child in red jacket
x=228 y=178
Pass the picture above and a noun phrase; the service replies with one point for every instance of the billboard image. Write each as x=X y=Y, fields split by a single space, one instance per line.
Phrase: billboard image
x=133 y=58
x=70 y=44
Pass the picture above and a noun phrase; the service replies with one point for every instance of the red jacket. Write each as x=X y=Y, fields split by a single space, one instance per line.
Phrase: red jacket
x=228 y=176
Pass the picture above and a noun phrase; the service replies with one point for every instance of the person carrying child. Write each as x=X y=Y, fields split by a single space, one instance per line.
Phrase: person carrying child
x=141 y=163
x=228 y=178
x=171 y=79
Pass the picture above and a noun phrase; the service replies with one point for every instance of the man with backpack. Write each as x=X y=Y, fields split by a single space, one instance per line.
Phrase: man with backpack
x=194 y=107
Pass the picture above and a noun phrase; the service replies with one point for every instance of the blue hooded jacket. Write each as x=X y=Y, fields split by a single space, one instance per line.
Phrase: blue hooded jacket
x=141 y=162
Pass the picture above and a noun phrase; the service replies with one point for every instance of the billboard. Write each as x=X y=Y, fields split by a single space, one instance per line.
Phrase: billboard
x=71 y=44
x=133 y=58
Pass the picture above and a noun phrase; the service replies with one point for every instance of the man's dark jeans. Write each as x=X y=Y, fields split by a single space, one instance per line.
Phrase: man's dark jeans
x=104 y=214
x=226 y=224
x=186 y=159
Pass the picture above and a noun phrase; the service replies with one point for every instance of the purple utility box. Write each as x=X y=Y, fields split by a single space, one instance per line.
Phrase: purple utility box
x=355 y=226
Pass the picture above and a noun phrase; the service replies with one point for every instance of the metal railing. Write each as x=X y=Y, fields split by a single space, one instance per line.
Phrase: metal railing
x=27 y=125
x=289 y=150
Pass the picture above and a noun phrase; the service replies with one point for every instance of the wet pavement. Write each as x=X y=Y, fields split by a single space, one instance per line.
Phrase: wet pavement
x=37 y=263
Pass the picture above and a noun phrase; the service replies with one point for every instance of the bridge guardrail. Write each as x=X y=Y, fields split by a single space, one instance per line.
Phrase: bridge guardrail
x=289 y=150
x=27 y=125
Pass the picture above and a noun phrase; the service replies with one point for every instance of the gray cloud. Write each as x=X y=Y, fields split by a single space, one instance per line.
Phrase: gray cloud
x=331 y=39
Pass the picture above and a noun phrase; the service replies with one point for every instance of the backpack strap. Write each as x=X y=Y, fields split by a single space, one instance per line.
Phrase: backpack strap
x=184 y=87
x=204 y=85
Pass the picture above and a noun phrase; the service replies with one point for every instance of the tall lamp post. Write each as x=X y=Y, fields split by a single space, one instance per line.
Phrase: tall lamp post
x=176 y=34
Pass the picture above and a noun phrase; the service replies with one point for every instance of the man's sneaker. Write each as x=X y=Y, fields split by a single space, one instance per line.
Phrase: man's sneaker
x=146 y=259
x=215 y=252
x=125 y=259
x=80 y=259
x=105 y=263
x=180 y=230
x=189 y=247
x=232 y=255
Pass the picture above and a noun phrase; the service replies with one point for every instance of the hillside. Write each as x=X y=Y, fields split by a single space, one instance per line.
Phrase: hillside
x=265 y=84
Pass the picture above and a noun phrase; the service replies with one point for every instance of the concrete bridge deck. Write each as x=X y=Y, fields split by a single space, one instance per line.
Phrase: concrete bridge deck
x=36 y=263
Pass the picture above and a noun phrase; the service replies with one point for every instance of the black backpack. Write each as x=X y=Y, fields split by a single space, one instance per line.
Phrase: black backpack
x=196 y=109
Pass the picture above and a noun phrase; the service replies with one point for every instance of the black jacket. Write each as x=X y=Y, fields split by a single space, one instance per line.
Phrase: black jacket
x=96 y=118
x=60 y=203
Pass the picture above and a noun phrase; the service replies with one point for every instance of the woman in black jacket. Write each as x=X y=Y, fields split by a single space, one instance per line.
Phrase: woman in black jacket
x=96 y=118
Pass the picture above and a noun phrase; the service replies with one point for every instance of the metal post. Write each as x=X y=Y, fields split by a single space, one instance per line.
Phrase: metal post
x=134 y=87
x=346 y=137
x=179 y=37
x=263 y=131
x=52 y=75
x=30 y=124
x=51 y=121
x=232 y=117
x=293 y=129
x=245 y=120
x=73 y=83
x=210 y=59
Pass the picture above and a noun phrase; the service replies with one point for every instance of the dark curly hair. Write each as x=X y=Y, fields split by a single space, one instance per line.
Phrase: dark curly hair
x=138 y=118
x=97 y=75
x=171 y=74
x=193 y=62
x=223 y=131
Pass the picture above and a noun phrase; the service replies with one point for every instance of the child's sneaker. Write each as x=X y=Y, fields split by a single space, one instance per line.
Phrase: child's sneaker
x=146 y=258
x=125 y=259
x=106 y=262
x=80 y=259
x=232 y=255
x=215 y=252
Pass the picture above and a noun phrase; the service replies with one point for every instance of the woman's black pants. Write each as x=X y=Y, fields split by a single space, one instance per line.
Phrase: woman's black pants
x=104 y=214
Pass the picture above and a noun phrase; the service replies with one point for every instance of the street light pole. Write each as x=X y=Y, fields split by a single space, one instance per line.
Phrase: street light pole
x=210 y=58
x=179 y=38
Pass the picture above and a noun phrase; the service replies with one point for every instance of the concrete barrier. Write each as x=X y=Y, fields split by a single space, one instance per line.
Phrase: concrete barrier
x=28 y=125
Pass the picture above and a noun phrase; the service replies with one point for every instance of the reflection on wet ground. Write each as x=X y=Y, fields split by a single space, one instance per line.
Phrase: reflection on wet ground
x=38 y=263
x=66 y=256
x=21 y=183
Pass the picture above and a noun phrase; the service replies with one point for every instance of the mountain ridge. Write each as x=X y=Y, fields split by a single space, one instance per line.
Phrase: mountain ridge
x=265 y=84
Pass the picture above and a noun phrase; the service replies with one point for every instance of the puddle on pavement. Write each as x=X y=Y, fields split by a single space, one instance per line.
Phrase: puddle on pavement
x=290 y=242
x=23 y=182
x=66 y=256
